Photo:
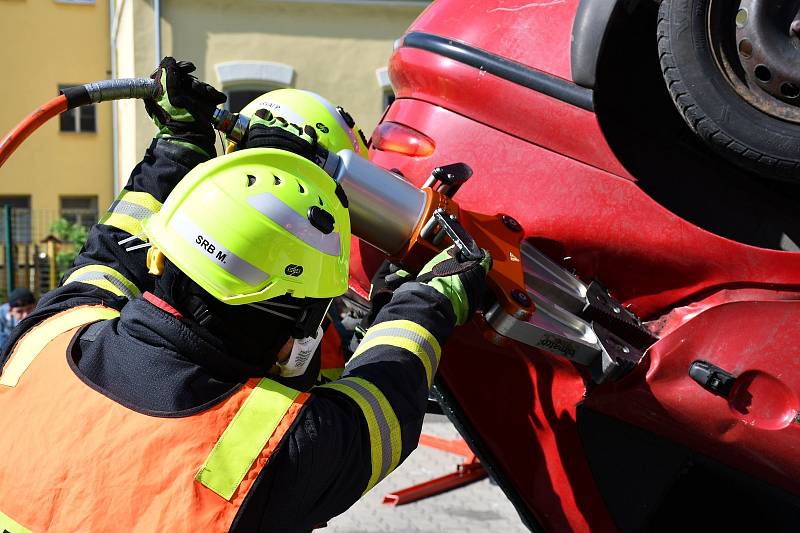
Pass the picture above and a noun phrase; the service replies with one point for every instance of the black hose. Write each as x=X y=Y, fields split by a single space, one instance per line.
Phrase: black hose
x=106 y=90
x=231 y=124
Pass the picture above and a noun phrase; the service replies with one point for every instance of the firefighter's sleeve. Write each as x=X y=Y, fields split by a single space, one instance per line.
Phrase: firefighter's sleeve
x=117 y=268
x=104 y=271
x=354 y=431
x=112 y=263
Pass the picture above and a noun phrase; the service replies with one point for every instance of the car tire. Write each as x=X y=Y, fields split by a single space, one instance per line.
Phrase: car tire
x=708 y=102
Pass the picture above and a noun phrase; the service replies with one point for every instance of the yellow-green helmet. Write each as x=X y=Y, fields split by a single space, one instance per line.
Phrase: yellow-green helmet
x=336 y=129
x=256 y=224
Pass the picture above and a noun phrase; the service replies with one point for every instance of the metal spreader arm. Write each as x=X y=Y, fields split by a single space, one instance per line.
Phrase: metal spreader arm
x=581 y=322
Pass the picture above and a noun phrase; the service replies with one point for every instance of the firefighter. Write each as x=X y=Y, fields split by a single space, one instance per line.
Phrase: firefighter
x=334 y=127
x=160 y=388
x=335 y=130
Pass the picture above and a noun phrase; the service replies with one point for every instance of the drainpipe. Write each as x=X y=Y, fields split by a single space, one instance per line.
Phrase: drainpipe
x=112 y=26
x=157 y=29
x=113 y=20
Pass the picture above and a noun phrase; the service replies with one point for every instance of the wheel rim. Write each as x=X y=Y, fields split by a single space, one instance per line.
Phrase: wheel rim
x=756 y=45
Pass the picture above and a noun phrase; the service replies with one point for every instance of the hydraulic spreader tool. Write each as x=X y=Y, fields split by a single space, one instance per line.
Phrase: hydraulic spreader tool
x=534 y=301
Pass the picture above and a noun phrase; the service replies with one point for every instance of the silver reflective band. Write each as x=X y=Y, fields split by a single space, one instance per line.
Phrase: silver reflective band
x=274 y=209
x=123 y=207
x=221 y=256
x=96 y=276
x=340 y=120
x=380 y=417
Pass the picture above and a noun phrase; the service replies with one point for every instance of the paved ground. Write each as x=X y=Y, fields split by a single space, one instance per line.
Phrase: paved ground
x=479 y=507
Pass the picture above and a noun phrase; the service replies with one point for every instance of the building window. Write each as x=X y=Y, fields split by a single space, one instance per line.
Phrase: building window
x=244 y=81
x=387 y=92
x=80 y=120
x=20 y=218
x=81 y=210
x=238 y=98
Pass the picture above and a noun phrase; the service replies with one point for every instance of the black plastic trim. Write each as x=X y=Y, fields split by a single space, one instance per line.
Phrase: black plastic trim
x=503 y=68
x=589 y=31
x=453 y=411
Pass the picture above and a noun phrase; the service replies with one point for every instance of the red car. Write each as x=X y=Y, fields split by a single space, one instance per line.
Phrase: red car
x=653 y=147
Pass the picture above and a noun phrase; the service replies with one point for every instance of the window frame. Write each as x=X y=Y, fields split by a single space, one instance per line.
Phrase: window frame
x=249 y=75
x=75 y=114
x=21 y=233
x=259 y=89
x=80 y=213
x=387 y=91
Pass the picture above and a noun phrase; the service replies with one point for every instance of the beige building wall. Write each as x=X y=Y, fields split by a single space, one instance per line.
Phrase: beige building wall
x=44 y=43
x=333 y=48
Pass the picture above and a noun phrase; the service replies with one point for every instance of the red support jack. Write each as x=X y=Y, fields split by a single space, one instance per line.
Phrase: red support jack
x=467 y=472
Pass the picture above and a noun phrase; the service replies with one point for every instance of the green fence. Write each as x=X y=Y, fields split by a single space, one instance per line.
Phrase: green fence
x=34 y=250
x=32 y=268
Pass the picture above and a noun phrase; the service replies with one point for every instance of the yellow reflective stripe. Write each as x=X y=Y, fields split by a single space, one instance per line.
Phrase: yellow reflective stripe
x=34 y=341
x=331 y=374
x=400 y=342
x=10 y=526
x=123 y=222
x=409 y=336
x=129 y=210
x=245 y=437
x=106 y=278
x=384 y=429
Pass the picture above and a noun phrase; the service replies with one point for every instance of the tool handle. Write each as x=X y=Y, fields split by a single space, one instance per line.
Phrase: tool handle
x=466 y=247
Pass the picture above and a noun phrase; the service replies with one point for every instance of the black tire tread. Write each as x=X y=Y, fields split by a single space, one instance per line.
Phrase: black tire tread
x=703 y=125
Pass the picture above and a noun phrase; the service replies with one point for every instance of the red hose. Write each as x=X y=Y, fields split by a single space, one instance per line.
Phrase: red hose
x=30 y=124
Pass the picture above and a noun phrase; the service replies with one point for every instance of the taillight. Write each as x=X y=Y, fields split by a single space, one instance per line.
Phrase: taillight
x=394 y=137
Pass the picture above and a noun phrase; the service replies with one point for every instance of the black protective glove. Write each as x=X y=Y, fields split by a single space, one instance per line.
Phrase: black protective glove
x=269 y=131
x=183 y=107
x=462 y=283
x=386 y=280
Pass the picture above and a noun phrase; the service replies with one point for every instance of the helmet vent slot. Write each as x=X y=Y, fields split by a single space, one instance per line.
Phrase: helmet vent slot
x=277 y=179
x=251 y=180
x=320 y=200
x=300 y=187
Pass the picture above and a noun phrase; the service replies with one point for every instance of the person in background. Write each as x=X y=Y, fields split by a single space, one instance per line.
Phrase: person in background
x=20 y=303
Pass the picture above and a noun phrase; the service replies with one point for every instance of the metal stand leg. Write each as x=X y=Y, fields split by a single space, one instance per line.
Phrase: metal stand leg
x=467 y=472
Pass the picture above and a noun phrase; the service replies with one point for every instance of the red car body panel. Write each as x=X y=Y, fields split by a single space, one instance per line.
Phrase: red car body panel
x=546 y=163
x=500 y=104
x=535 y=33
x=606 y=225
x=755 y=428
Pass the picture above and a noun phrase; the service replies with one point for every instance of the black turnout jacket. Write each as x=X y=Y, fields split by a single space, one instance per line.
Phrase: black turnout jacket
x=150 y=361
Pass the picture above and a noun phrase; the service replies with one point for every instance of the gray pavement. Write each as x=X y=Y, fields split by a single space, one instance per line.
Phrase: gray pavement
x=478 y=507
